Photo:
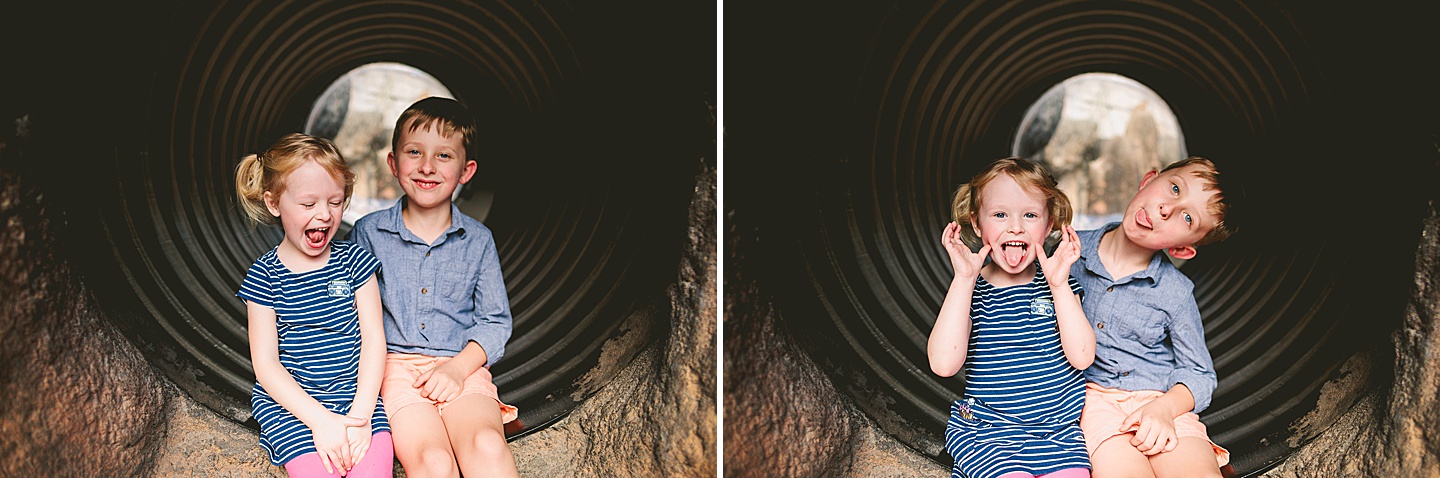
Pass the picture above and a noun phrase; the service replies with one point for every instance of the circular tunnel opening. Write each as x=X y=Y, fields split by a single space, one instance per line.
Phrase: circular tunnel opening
x=587 y=247
x=1098 y=133
x=356 y=112
x=931 y=93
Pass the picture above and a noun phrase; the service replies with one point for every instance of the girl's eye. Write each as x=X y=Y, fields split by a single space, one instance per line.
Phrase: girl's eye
x=336 y=203
x=1188 y=219
x=1000 y=215
x=1031 y=215
x=1174 y=188
x=308 y=205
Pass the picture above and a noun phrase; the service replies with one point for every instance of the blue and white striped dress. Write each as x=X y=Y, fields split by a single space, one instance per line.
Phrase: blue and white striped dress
x=319 y=334
x=1021 y=410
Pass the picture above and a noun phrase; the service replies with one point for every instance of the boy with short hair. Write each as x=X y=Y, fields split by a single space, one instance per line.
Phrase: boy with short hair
x=1152 y=372
x=446 y=312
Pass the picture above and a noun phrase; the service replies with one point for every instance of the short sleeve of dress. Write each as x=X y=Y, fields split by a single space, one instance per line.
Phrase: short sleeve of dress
x=258 y=286
x=1076 y=287
x=362 y=266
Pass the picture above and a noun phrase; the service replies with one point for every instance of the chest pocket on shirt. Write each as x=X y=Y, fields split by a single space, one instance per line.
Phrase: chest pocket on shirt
x=456 y=281
x=1144 y=325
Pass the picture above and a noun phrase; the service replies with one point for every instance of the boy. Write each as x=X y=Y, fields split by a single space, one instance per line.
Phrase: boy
x=1152 y=372
x=446 y=313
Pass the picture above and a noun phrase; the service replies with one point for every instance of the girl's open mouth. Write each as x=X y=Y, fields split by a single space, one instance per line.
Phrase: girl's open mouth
x=1014 y=252
x=316 y=238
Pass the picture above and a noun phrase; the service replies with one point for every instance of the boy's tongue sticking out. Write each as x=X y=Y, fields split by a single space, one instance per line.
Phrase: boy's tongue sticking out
x=1014 y=252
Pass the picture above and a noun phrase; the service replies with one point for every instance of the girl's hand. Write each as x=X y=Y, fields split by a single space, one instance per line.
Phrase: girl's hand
x=1057 y=267
x=1154 y=429
x=359 y=443
x=442 y=384
x=331 y=443
x=967 y=264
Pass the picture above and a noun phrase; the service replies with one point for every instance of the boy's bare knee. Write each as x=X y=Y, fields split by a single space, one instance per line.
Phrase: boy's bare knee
x=433 y=462
x=488 y=444
x=1122 y=473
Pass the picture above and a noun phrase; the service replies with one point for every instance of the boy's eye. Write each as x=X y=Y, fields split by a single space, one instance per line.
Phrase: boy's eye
x=412 y=151
x=445 y=155
x=1174 y=188
x=1188 y=219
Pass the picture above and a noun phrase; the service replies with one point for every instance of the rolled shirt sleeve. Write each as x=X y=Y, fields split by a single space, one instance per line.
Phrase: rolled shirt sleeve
x=491 y=329
x=1193 y=364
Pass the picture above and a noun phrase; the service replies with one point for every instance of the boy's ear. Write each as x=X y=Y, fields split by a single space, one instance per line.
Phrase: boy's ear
x=390 y=160
x=1186 y=252
x=469 y=171
x=1148 y=177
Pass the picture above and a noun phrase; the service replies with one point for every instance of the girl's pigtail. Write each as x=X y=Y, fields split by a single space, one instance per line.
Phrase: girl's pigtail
x=1061 y=214
x=962 y=214
x=250 y=188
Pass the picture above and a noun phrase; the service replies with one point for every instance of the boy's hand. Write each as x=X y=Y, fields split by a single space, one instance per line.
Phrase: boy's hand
x=331 y=442
x=1057 y=267
x=1154 y=429
x=967 y=264
x=359 y=443
x=442 y=384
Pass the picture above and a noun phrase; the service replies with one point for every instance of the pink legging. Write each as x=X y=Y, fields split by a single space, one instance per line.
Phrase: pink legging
x=1065 y=473
x=378 y=462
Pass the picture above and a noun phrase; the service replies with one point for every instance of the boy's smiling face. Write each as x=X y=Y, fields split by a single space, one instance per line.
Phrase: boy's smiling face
x=429 y=166
x=1013 y=221
x=1171 y=212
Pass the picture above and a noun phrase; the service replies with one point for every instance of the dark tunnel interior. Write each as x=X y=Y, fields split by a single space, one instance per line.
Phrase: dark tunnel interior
x=595 y=120
x=869 y=114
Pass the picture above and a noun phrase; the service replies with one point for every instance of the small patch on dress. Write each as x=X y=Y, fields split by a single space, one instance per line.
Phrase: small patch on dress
x=339 y=288
x=1042 y=306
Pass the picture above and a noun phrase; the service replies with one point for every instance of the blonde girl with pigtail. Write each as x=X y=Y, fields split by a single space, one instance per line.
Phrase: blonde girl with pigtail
x=1012 y=321
x=316 y=339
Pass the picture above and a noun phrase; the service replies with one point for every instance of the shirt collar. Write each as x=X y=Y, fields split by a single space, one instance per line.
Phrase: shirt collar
x=1090 y=251
x=393 y=220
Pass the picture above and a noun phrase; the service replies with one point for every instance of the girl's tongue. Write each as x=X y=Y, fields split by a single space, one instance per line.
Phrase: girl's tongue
x=1014 y=252
x=316 y=237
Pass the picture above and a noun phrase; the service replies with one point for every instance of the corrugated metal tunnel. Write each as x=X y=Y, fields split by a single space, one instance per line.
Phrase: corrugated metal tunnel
x=590 y=143
x=871 y=114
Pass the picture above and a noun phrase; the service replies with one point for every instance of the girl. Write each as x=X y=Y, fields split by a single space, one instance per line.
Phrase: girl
x=316 y=340
x=1020 y=325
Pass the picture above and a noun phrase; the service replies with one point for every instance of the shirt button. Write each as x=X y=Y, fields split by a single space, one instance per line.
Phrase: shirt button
x=427 y=253
x=424 y=290
x=1107 y=289
x=1100 y=325
x=422 y=326
x=1122 y=374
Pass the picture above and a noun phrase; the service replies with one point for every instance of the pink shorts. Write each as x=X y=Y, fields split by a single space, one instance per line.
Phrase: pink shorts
x=401 y=370
x=1106 y=408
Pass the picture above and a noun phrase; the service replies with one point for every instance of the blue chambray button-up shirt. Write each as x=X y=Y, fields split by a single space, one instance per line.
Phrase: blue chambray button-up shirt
x=438 y=297
x=1148 y=334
